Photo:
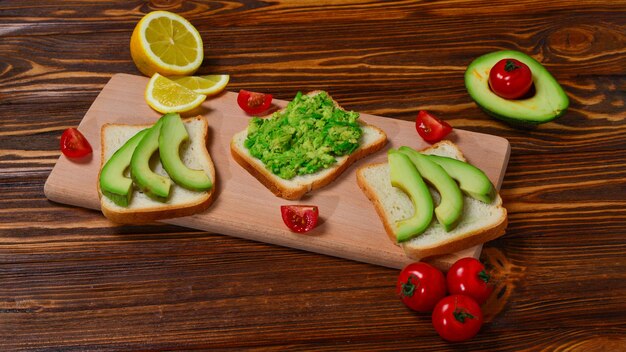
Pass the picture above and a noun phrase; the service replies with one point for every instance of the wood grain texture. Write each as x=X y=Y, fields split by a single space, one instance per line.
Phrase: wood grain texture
x=70 y=281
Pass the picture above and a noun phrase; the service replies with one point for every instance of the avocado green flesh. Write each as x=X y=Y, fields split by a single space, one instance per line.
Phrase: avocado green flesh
x=472 y=180
x=450 y=207
x=305 y=137
x=173 y=134
x=405 y=176
x=113 y=184
x=151 y=183
x=548 y=102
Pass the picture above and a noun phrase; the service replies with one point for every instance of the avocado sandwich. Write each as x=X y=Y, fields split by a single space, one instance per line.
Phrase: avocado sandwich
x=304 y=146
x=152 y=172
x=433 y=202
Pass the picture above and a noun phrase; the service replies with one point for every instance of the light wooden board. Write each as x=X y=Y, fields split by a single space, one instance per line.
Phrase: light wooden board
x=349 y=226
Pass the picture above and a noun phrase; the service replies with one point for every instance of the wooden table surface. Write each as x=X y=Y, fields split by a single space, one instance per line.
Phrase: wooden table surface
x=72 y=281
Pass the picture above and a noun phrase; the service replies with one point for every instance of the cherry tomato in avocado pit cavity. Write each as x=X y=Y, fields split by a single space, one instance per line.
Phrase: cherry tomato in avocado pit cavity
x=430 y=128
x=253 y=102
x=74 y=144
x=300 y=218
x=468 y=276
x=420 y=286
x=457 y=318
x=510 y=79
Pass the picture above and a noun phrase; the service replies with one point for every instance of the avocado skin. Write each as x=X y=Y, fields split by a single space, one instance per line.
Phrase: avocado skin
x=516 y=122
x=404 y=175
x=113 y=184
x=548 y=103
x=472 y=180
x=450 y=208
x=151 y=183
x=173 y=134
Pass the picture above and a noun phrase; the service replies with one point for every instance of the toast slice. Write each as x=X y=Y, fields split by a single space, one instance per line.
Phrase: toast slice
x=181 y=202
x=372 y=140
x=479 y=223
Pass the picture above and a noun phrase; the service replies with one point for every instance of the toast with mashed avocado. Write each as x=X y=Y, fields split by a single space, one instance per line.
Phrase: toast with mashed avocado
x=304 y=146
x=136 y=186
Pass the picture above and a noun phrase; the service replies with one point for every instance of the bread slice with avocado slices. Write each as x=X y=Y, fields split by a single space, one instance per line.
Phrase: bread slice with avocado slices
x=292 y=187
x=479 y=222
x=139 y=206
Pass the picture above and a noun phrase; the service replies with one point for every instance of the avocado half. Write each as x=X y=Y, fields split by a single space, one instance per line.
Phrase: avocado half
x=548 y=102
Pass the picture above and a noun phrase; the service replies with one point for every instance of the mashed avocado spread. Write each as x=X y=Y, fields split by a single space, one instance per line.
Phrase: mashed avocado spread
x=305 y=137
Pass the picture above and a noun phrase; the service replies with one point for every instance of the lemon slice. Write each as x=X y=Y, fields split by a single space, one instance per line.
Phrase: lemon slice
x=165 y=95
x=209 y=85
x=166 y=43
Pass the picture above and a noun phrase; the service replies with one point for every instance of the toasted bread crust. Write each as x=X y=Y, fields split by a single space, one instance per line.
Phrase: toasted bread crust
x=444 y=143
x=264 y=176
x=468 y=240
x=275 y=184
x=373 y=197
x=356 y=155
x=138 y=216
x=458 y=243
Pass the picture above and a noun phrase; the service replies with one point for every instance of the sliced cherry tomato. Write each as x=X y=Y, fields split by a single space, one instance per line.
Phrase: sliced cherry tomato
x=420 y=286
x=457 y=318
x=430 y=128
x=510 y=79
x=300 y=218
x=468 y=276
x=74 y=144
x=252 y=102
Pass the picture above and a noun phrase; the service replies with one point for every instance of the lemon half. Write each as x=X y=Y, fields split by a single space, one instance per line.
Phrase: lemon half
x=165 y=95
x=209 y=85
x=166 y=43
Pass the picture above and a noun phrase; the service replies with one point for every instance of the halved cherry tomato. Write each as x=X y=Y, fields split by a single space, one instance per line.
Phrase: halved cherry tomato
x=457 y=318
x=74 y=144
x=252 y=102
x=420 y=286
x=468 y=276
x=430 y=128
x=300 y=218
x=510 y=78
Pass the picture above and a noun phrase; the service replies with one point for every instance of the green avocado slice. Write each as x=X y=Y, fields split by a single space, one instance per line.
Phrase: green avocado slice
x=450 y=207
x=113 y=184
x=151 y=183
x=405 y=176
x=173 y=134
x=547 y=103
x=472 y=180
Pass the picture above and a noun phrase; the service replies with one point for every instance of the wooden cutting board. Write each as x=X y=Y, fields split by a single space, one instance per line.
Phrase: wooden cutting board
x=349 y=226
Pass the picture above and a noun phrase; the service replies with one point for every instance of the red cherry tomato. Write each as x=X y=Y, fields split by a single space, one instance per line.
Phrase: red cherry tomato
x=457 y=318
x=252 y=102
x=74 y=144
x=510 y=78
x=420 y=286
x=468 y=276
x=300 y=218
x=430 y=128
